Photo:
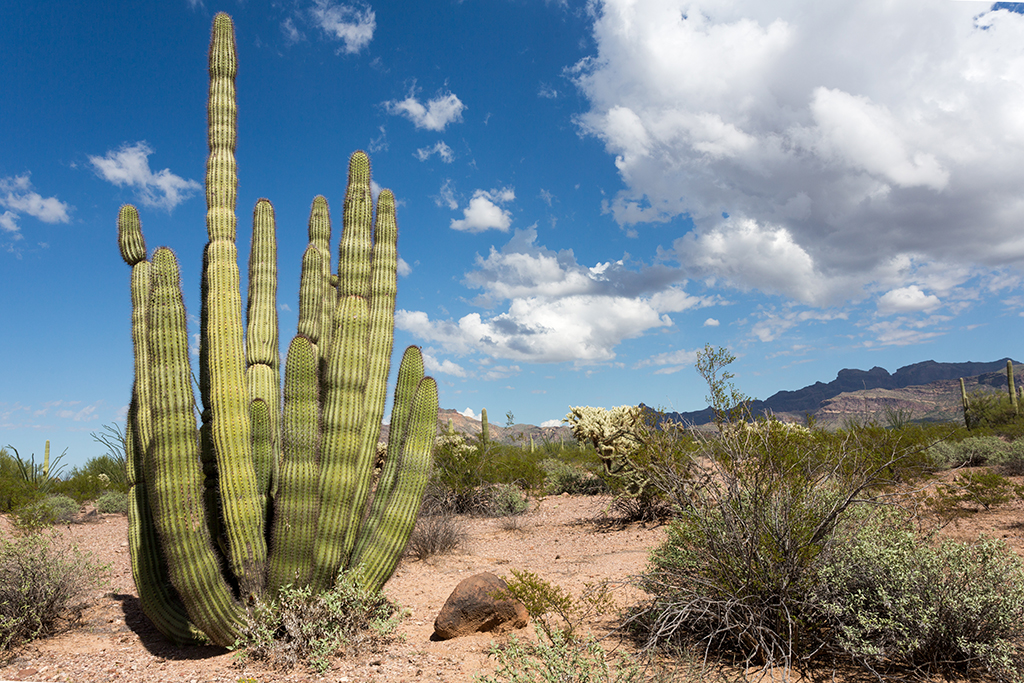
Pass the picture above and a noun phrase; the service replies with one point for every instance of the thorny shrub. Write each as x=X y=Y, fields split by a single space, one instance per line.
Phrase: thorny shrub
x=42 y=583
x=302 y=627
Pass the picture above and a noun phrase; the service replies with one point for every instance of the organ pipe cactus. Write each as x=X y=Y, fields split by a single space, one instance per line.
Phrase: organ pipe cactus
x=268 y=489
x=1011 y=386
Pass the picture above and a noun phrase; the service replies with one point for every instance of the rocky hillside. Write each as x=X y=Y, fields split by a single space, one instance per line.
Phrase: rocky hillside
x=518 y=433
x=926 y=391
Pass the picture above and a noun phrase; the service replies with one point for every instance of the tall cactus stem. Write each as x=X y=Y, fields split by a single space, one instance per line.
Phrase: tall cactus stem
x=1011 y=387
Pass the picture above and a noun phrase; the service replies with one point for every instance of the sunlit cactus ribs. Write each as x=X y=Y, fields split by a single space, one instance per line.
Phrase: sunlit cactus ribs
x=268 y=488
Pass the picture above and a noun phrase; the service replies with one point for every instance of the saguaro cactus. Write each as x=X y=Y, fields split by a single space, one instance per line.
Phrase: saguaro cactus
x=259 y=494
x=1011 y=387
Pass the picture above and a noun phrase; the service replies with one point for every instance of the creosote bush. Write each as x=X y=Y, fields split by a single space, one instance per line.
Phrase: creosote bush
x=47 y=512
x=303 y=627
x=42 y=582
x=762 y=557
x=554 y=609
x=113 y=502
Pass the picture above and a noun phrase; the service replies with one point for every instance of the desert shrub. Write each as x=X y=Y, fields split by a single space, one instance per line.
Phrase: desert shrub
x=886 y=598
x=557 y=659
x=300 y=627
x=113 y=501
x=47 y=511
x=991 y=412
x=435 y=534
x=15 y=491
x=757 y=514
x=505 y=500
x=1011 y=461
x=978 y=489
x=42 y=581
x=554 y=609
x=562 y=477
x=970 y=452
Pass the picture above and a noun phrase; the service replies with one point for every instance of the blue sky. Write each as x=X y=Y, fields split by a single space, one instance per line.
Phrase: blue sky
x=588 y=192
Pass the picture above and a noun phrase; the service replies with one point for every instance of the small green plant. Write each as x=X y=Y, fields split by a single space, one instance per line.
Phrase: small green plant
x=558 y=659
x=39 y=477
x=554 y=609
x=42 y=581
x=47 y=512
x=1011 y=462
x=309 y=628
x=979 y=489
x=113 y=502
x=111 y=463
x=506 y=500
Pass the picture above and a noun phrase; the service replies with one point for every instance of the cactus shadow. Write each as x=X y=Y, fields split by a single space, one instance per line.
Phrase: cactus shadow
x=154 y=641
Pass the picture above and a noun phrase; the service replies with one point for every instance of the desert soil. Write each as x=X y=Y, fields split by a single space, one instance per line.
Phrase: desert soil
x=562 y=539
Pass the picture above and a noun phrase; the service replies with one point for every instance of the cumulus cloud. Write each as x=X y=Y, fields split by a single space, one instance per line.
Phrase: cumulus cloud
x=443 y=151
x=446 y=367
x=711 y=322
x=907 y=300
x=18 y=197
x=483 y=212
x=352 y=24
x=557 y=309
x=128 y=166
x=814 y=145
x=435 y=115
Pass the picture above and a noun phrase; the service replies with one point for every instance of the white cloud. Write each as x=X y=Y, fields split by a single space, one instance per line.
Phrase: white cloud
x=18 y=197
x=468 y=412
x=551 y=423
x=403 y=267
x=351 y=24
x=711 y=322
x=440 y=149
x=483 y=212
x=670 y=362
x=447 y=367
x=558 y=310
x=446 y=196
x=435 y=115
x=291 y=33
x=129 y=166
x=836 y=138
x=907 y=300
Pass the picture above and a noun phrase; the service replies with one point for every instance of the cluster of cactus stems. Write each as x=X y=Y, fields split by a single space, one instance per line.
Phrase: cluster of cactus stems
x=268 y=488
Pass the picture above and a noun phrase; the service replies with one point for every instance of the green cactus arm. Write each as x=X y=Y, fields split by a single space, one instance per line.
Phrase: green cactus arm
x=173 y=471
x=313 y=285
x=485 y=432
x=263 y=374
x=320 y=238
x=354 y=251
x=228 y=394
x=344 y=381
x=378 y=556
x=293 y=533
x=383 y=287
x=394 y=494
x=1011 y=387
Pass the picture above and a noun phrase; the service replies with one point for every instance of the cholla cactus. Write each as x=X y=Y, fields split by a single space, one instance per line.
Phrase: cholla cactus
x=612 y=432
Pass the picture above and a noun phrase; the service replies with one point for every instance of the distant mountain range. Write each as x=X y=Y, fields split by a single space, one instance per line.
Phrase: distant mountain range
x=927 y=391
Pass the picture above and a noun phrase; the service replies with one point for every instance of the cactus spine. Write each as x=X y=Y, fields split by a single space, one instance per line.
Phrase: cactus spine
x=270 y=492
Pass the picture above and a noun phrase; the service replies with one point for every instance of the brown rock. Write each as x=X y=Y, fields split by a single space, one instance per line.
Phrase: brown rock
x=472 y=607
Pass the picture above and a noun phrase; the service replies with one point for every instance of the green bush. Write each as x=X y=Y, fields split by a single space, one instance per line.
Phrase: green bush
x=757 y=513
x=554 y=609
x=42 y=581
x=47 y=512
x=982 y=489
x=991 y=412
x=562 y=477
x=557 y=660
x=886 y=598
x=113 y=501
x=505 y=500
x=301 y=627
x=1011 y=462
x=973 y=451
